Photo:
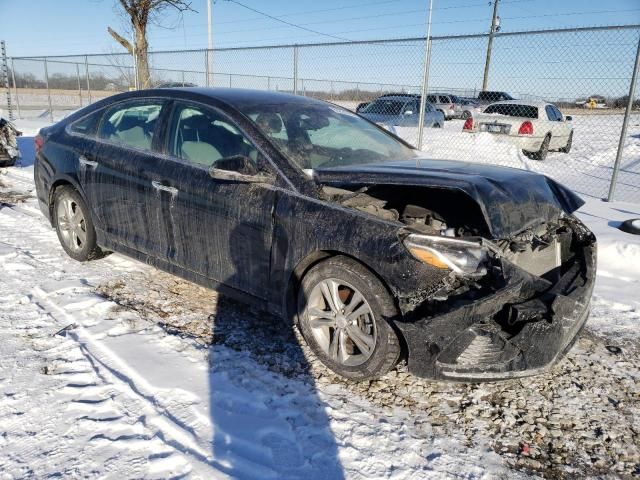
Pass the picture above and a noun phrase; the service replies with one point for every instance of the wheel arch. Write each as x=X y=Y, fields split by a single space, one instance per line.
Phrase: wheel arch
x=305 y=264
x=61 y=181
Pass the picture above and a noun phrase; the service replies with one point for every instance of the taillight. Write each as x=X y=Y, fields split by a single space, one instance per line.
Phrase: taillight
x=526 y=128
x=451 y=107
x=468 y=124
x=39 y=143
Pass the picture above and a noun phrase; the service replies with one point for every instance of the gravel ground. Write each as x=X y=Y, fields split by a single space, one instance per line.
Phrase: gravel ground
x=581 y=418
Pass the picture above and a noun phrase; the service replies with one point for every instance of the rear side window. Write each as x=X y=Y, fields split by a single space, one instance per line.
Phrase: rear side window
x=525 y=111
x=432 y=98
x=86 y=125
x=202 y=136
x=132 y=124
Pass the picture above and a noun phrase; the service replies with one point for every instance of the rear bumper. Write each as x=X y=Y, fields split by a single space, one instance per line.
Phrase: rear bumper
x=474 y=343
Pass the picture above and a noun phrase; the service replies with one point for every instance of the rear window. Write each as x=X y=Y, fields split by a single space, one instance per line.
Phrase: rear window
x=86 y=125
x=525 y=111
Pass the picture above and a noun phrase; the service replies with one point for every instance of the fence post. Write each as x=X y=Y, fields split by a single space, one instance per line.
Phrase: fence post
x=625 y=123
x=5 y=77
x=136 y=79
x=183 y=78
x=230 y=81
x=268 y=83
x=423 y=94
x=15 y=87
x=425 y=81
x=295 y=69
x=86 y=68
x=206 y=63
x=46 y=79
x=79 y=88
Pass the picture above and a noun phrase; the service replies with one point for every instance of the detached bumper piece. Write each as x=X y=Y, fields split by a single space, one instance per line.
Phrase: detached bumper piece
x=520 y=330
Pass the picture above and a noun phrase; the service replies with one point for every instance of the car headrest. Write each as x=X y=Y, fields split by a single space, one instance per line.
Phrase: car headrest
x=269 y=122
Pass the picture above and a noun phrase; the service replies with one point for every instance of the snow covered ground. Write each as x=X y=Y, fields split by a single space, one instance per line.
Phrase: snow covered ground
x=112 y=369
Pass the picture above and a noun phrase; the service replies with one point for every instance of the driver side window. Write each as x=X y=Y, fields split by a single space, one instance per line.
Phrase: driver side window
x=202 y=137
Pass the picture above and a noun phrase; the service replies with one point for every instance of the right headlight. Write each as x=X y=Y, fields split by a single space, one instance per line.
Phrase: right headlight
x=464 y=257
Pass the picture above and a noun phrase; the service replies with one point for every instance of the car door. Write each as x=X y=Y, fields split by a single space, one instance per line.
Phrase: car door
x=410 y=113
x=220 y=228
x=564 y=128
x=558 y=138
x=119 y=176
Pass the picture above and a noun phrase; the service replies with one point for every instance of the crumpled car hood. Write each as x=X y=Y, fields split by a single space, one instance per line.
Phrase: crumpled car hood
x=510 y=199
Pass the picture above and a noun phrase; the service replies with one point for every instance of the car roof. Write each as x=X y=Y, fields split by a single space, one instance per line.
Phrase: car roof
x=522 y=102
x=399 y=98
x=236 y=97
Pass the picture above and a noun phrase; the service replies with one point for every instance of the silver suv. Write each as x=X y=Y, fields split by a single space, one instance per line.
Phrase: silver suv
x=449 y=105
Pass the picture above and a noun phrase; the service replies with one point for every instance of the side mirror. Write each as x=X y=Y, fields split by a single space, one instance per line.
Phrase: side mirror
x=568 y=118
x=237 y=168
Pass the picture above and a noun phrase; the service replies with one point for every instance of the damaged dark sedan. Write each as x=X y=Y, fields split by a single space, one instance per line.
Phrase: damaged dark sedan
x=467 y=272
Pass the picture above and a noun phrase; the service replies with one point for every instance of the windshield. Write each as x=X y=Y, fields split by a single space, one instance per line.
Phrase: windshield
x=384 y=107
x=320 y=136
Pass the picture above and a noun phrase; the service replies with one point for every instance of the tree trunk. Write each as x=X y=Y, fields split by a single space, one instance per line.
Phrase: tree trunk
x=142 y=61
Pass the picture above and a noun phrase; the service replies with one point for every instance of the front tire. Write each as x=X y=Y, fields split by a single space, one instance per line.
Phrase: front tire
x=344 y=313
x=74 y=226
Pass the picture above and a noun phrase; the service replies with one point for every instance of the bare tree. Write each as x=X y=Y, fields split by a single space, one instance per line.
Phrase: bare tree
x=140 y=13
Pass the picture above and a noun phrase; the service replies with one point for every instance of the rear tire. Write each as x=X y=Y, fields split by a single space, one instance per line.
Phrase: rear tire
x=567 y=148
x=74 y=226
x=437 y=125
x=542 y=153
x=344 y=313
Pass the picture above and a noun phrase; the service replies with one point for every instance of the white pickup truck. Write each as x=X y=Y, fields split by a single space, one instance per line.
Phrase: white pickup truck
x=535 y=127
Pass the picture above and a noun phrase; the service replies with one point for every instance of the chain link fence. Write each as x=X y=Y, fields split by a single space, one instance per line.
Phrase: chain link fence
x=585 y=72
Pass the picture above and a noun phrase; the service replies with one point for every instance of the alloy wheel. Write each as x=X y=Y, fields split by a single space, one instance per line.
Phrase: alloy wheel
x=342 y=322
x=71 y=223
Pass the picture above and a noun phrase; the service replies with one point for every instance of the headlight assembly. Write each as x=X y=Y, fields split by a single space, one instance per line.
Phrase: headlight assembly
x=464 y=257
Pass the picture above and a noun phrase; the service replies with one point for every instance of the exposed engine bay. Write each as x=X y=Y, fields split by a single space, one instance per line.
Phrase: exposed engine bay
x=513 y=304
x=543 y=250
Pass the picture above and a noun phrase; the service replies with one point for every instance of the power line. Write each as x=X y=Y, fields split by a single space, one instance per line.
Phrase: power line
x=288 y=23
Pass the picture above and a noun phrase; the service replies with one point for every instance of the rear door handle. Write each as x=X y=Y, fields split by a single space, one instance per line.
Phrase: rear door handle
x=164 y=188
x=86 y=162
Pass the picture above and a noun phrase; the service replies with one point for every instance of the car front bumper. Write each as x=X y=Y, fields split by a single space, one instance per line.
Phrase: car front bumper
x=473 y=343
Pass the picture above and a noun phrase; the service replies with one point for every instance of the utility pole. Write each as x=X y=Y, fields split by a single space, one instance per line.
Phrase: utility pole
x=490 y=45
x=210 y=42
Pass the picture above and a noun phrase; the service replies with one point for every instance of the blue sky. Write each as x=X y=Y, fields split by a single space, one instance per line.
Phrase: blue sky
x=559 y=66
x=39 y=27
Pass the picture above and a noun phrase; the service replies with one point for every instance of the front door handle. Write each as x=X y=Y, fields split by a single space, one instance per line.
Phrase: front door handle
x=86 y=162
x=164 y=188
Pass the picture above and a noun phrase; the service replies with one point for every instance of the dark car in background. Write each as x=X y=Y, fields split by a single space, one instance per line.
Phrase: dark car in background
x=469 y=272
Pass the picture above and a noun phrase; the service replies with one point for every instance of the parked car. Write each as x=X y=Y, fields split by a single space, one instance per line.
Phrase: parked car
x=401 y=111
x=9 y=134
x=486 y=97
x=448 y=104
x=469 y=271
x=470 y=107
x=535 y=127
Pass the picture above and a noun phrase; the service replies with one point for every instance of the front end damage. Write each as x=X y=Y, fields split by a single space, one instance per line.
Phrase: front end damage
x=507 y=271
x=516 y=319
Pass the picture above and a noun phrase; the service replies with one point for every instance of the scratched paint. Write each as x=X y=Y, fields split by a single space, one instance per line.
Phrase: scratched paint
x=255 y=235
